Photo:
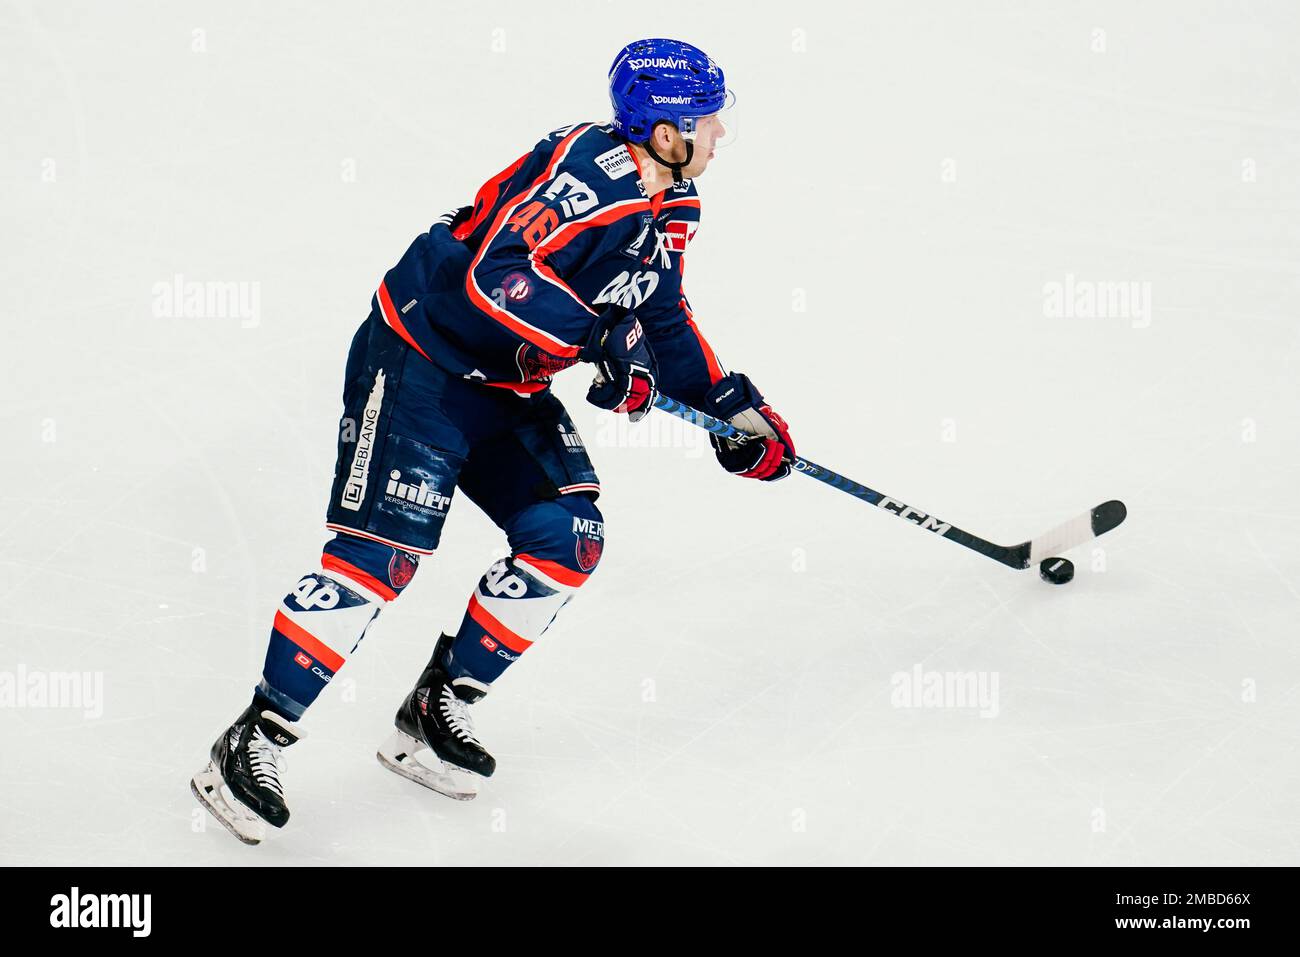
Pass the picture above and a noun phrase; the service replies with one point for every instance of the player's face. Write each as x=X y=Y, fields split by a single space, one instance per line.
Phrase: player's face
x=708 y=130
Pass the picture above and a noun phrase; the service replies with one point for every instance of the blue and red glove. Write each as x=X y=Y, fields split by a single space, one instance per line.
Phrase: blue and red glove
x=625 y=368
x=735 y=400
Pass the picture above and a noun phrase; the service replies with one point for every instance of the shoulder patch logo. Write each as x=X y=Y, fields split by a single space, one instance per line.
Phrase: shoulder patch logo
x=616 y=163
x=679 y=232
x=515 y=288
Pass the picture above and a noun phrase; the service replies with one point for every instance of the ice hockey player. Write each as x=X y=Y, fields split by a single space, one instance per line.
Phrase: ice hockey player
x=572 y=253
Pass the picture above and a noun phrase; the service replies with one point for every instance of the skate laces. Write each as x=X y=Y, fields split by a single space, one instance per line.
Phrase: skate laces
x=265 y=761
x=456 y=713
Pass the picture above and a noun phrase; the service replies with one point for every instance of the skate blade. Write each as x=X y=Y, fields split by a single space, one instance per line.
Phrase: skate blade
x=209 y=789
x=402 y=755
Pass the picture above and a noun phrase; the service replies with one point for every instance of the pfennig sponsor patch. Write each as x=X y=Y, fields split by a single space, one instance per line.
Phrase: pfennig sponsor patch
x=617 y=163
x=678 y=233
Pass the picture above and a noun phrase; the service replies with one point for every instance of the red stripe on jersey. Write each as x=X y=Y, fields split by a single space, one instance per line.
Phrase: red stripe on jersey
x=520 y=328
x=488 y=622
x=486 y=197
x=308 y=642
x=569 y=231
x=692 y=201
x=681 y=287
x=394 y=319
x=710 y=358
x=565 y=576
x=528 y=387
x=332 y=563
x=566 y=234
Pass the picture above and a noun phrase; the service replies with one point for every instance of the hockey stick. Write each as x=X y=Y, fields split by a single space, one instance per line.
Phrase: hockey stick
x=1076 y=531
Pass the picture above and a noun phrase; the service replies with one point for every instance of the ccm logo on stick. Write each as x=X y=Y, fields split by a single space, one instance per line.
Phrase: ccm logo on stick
x=928 y=522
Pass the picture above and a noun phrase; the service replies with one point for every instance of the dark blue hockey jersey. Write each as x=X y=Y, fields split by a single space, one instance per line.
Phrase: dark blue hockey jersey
x=509 y=296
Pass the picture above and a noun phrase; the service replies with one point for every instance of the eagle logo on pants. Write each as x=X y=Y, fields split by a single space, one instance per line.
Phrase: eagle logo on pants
x=588 y=552
x=401 y=569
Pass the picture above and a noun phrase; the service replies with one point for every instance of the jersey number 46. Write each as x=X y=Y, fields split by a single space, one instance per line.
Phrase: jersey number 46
x=539 y=217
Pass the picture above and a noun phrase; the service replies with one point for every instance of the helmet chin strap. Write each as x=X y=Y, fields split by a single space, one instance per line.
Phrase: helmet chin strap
x=675 y=167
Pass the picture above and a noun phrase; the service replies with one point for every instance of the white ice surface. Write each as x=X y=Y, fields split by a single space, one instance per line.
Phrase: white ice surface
x=721 y=691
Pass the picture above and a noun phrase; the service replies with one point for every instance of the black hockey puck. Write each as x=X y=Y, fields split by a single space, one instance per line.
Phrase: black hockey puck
x=1058 y=571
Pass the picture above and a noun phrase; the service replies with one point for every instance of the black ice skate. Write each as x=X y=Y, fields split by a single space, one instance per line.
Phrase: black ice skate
x=434 y=744
x=241 y=785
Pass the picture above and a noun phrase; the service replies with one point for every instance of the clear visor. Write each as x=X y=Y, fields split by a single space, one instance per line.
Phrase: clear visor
x=713 y=129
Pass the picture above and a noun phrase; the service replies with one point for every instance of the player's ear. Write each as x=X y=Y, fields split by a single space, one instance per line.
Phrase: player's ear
x=663 y=136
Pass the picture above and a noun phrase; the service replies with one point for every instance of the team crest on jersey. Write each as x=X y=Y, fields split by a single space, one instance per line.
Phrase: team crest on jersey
x=401 y=569
x=516 y=288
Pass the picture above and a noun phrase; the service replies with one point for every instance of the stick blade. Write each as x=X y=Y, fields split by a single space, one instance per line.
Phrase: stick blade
x=1080 y=529
x=1107 y=515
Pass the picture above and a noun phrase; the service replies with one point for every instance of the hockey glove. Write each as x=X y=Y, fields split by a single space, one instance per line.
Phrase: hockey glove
x=735 y=400
x=625 y=369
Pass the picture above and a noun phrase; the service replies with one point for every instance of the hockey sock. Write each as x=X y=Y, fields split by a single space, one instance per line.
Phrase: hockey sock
x=557 y=545
x=320 y=623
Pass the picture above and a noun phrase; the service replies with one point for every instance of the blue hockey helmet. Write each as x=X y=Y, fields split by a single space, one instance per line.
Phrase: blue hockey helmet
x=672 y=81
